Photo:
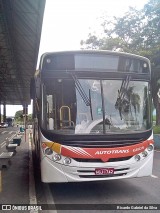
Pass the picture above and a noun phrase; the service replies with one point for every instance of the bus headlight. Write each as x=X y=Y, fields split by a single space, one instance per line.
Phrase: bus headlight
x=48 y=151
x=144 y=154
x=150 y=147
x=56 y=157
x=137 y=157
x=67 y=161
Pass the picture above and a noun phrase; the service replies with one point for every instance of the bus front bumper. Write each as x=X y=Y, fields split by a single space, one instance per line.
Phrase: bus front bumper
x=78 y=172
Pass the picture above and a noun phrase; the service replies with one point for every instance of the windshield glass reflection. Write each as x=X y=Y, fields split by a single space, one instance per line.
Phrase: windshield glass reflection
x=113 y=107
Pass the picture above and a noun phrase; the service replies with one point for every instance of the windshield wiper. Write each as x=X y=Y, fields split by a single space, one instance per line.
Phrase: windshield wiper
x=81 y=90
x=121 y=94
x=86 y=99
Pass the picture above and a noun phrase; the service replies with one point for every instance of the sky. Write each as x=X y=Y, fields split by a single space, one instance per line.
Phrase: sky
x=67 y=22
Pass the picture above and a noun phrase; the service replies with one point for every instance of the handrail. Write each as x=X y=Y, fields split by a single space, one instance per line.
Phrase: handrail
x=61 y=113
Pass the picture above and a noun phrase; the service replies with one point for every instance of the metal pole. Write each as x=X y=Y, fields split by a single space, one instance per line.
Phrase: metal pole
x=25 y=119
x=4 y=112
x=25 y=126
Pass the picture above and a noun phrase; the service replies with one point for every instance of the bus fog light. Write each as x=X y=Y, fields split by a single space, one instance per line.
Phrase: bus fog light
x=48 y=151
x=144 y=154
x=137 y=157
x=150 y=147
x=67 y=161
x=57 y=157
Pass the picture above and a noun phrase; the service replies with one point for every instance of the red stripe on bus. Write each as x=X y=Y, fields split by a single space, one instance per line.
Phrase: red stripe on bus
x=105 y=153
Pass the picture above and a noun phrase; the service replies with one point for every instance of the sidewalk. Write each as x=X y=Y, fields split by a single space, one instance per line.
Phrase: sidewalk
x=14 y=183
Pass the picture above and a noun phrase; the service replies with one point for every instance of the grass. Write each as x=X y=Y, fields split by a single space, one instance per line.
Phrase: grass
x=154 y=117
x=156 y=130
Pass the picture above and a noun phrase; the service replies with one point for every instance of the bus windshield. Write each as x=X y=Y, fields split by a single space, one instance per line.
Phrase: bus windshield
x=112 y=108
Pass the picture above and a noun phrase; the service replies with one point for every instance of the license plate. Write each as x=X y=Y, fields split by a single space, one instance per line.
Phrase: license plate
x=104 y=171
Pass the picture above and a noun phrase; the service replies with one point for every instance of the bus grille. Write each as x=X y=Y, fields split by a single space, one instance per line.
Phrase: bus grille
x=85 y=160
x=101 y=176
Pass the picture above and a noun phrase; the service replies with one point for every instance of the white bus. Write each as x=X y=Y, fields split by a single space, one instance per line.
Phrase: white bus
x=92 y=116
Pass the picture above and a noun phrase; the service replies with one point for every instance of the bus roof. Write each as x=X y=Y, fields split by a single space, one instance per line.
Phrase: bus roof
x=105 y=52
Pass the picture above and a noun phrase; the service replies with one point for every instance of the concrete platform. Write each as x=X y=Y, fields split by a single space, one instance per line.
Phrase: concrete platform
x=14 y=180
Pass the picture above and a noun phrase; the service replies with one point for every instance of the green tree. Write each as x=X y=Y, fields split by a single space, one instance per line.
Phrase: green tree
x=20 y=118
x=138 y=32
x=18 y=114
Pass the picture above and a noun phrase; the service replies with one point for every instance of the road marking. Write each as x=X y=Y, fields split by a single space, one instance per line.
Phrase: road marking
x=11 y=137
x=49 y=197
x=10 y=132
x=3 y=144
x=154 y=176
x=3 y=132
x=32 y=191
